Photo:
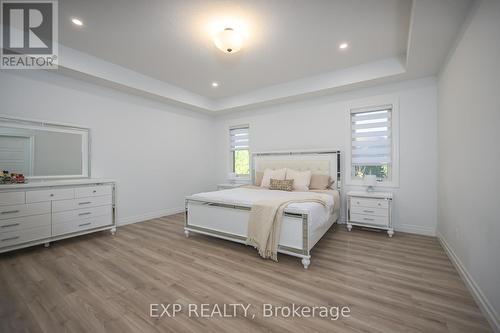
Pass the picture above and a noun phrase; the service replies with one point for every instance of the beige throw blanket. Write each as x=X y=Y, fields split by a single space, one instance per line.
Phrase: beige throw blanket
x=264 y=225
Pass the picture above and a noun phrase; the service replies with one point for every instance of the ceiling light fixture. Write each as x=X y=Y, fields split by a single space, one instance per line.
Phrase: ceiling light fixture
x=77 y=22
x=215 y=84
x=228 y=40
x=343 y=46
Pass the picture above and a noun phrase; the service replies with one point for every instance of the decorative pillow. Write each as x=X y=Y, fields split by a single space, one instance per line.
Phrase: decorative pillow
x=270 y=173
x=320 y=182
x=301 y=179
x=258 y=178
x=281 y=185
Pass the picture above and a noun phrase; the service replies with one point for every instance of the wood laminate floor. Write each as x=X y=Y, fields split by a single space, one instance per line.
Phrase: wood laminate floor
x=101 y=283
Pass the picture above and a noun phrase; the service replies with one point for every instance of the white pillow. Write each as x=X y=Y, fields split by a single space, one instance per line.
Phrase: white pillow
x=274 y=174
x=301 y=179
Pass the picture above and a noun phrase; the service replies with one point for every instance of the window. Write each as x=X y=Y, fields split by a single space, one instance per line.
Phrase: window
x=372 y=148
x=240 y=151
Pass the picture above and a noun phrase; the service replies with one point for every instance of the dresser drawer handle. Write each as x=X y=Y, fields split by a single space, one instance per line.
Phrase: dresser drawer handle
x=11 y=211
x=86 y=213
x=10 y=225
x=94 y=191
x=51 y=194
x=367 y=219
x=368 y=211
x=84 y=224
x=84 y=203
x=10 y=238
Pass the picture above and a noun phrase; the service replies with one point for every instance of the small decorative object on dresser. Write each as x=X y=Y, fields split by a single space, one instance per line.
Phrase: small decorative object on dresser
x=228 y=186
x=14 y=178
x=370 y=209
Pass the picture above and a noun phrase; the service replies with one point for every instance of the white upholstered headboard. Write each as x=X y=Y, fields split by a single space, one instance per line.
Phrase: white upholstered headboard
x=322 y=162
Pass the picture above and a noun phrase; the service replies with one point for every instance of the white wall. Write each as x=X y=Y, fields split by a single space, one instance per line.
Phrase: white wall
x=145 y=145
x=469 y=156
x=322 y=123
x=156 y=153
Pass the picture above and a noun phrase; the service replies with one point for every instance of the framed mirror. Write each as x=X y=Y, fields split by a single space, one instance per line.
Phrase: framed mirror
x=42 y=150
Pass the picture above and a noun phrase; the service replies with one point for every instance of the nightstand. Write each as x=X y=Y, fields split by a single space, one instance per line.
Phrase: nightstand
x=370 y=209
x=228 y=186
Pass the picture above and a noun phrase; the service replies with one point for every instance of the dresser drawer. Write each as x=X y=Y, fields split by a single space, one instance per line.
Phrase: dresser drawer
x=49 y=195
x=369 y=219
x=93 y=191
x=25 y=222
x=12 y=198
x=370 y=203
x=64 y=205
x=370 y=211
x=81 y=225
x=23 y=236
x=9 y=212
x=79 y=214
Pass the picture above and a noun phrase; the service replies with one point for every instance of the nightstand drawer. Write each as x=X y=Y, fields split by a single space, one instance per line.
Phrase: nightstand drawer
x=369 y=219
x=370 y=203
x=370 y=211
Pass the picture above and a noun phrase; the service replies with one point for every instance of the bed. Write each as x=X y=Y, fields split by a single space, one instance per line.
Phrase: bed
x=225 y=214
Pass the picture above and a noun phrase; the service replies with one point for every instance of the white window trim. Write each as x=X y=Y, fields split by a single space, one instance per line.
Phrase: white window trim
x=239 y=179
x=370 y=103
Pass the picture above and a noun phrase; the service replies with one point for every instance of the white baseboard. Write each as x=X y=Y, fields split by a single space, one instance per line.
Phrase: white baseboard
x=481 y=300
x=415 y=229
x=148 y=216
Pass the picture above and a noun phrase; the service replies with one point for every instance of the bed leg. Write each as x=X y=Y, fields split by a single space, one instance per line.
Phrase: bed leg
x=306 y=262
x=186 y=233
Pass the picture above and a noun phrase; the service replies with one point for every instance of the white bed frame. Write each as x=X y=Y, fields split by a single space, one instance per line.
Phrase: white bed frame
x=230 y=222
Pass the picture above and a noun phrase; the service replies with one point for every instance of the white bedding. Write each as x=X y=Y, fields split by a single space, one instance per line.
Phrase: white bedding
x=243 y=196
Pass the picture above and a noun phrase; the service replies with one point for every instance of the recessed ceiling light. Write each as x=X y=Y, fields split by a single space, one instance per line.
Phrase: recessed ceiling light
x=77 y=21
x=343 y=46
x=215 y=84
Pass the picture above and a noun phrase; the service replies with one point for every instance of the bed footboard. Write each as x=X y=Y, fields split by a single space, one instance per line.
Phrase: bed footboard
x=230 y=222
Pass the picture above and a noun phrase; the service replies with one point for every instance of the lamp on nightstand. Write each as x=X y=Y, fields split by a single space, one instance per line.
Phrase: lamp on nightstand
x=370 y=181
x=231 y=177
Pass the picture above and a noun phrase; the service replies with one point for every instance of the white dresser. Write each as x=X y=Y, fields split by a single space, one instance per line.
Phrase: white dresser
x=44 y=211
x=370 y=209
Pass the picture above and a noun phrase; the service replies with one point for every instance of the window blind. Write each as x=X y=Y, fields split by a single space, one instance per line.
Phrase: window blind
x=371 y=136
x=239 y=137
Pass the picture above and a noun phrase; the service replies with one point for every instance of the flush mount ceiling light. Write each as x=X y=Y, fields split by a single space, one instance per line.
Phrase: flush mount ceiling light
x=343 y=46
x=215 y=84
x=228 y=40
x=77 y=21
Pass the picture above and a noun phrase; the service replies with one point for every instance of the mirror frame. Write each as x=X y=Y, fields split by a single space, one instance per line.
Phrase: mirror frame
x=55 y=127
